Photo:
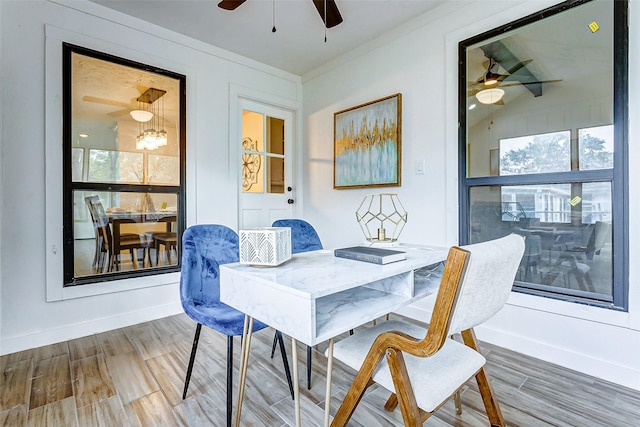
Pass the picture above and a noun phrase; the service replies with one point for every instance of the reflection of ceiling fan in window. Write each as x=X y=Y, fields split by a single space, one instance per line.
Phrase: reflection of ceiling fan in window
x=333 y=16
x=139 y=108
x=488 y=87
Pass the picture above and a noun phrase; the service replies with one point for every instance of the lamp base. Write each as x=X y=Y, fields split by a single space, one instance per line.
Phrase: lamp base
x=387 y=243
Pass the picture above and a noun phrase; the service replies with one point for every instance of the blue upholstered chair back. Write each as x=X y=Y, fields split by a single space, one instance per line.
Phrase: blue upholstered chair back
x=204 y=248
x=303 y=236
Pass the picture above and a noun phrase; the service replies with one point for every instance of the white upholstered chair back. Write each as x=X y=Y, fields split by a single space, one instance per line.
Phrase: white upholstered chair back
x=485 y=288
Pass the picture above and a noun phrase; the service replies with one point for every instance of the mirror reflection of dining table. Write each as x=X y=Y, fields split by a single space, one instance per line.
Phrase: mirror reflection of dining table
x=146 y=225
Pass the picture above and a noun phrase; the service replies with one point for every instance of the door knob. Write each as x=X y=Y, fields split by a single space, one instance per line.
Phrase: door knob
x=290 y=201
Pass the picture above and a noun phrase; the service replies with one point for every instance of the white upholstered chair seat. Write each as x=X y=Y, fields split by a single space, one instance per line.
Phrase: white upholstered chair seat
x=432 y=378
x=475 y=285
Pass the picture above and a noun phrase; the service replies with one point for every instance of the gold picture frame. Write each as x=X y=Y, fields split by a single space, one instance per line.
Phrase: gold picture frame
x=368 y=144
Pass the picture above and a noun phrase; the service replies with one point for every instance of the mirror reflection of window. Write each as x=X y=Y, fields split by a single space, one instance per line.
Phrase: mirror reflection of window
x=126 y=149
x=596 y=147
x=544 y=153
x=539 y=140
x=543 y=90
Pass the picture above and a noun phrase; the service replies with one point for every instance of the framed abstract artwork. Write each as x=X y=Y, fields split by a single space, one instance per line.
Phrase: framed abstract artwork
x=367 y=144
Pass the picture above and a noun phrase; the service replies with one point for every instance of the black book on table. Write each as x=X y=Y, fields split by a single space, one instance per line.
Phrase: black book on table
x=370 y=254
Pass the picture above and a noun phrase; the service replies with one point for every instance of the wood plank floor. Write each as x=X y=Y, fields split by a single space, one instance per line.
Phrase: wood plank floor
x=134 y=377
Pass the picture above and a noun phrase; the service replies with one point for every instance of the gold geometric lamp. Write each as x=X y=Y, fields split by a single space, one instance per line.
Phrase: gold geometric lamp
x=381 y=217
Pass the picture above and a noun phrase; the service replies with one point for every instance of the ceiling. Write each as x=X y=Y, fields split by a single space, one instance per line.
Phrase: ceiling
x=298 y=44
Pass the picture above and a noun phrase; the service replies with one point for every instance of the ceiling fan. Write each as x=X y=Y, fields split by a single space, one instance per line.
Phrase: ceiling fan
x=332 y=18
x=490 y=82
x=147 y=97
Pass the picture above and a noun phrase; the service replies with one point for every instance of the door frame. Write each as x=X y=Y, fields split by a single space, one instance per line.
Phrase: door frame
x=236 y=93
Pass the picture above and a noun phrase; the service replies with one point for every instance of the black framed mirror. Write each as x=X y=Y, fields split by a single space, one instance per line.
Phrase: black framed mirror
x=542 y=142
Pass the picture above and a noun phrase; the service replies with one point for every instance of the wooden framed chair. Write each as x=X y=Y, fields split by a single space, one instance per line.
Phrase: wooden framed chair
x=423 y=368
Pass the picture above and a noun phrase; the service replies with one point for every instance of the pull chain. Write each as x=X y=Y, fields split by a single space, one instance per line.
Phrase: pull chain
x=325 y=21
x=273 y=30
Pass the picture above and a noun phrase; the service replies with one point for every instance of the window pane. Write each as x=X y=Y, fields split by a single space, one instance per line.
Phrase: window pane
x=575 y=256
x=118 y=231
x=596 y=202
x=163 y=170
x=545 y=202
x=543 y=153
x=115 y=166
x=77 y=164
x=596 y=147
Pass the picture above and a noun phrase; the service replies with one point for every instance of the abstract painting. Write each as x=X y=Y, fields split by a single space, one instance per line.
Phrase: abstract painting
x=367 y=144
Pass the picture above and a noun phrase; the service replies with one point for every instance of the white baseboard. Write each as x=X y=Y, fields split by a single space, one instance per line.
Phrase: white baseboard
x=77 y=330
x=626 y=376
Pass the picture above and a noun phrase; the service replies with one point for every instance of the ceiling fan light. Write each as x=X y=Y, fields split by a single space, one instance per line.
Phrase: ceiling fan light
x=490 y=80
x=490 y=96
x=141 y=115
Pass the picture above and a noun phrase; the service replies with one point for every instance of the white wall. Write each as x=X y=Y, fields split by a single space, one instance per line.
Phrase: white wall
x=31 y=142
x=422 y=64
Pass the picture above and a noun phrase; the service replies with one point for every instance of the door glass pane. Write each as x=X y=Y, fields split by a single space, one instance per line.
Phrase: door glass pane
x=275 y=173
x=121 y=231
x=253 y=129
x=276 y=136
x=252 y=173
x=253 y=161
x=568 y=237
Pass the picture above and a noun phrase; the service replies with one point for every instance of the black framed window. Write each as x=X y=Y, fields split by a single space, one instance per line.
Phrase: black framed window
x=543 y=147
x=123 y=167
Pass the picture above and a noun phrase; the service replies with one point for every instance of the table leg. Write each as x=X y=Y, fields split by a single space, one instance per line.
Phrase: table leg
x=244 y=362
x=327 y=398
x=296 y=386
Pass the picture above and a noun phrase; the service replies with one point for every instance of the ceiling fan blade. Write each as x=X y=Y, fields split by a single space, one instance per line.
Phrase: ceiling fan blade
x=105 y=101
x=230 y=4
x=518 y=83
x=119 y=113
x=333 y=14
x=517 y=67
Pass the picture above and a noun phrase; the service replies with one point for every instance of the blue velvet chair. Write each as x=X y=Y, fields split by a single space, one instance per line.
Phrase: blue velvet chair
x=304 y=238
x=204 y=248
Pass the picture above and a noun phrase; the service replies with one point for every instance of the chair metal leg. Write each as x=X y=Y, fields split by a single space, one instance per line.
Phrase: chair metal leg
x=287 y=372
x=296 y=387
x=457 y=402
x=309 y=360
x=229 y=378
x=247 y=331
x=191 y=360
x=275 y=342
x=327 y=394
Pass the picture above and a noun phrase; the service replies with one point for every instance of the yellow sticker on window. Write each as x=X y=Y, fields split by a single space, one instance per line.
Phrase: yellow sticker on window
x=594 y=26
x=575 y=200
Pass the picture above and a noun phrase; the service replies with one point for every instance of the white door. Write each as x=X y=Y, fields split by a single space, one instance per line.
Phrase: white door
x=266 y=146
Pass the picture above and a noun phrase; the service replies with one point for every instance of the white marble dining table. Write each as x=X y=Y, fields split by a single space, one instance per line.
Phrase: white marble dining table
x=316 y=296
